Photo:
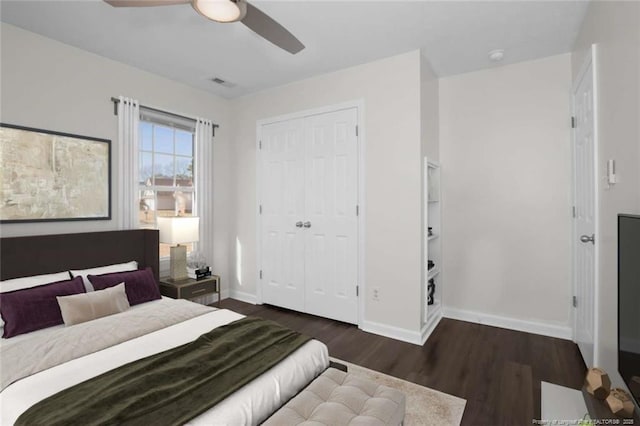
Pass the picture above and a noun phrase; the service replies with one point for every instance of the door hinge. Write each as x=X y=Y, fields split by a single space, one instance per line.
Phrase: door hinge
x=260 y=273
x=356 y=130
x=357 y=210
x=357 y=291
x=260 y=208
x=259 y=144
x=575 y=301
x=573 y=122
x=574 y=211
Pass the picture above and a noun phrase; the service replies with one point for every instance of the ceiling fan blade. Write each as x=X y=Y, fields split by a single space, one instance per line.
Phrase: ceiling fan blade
x=144 y=3
x=266 y=27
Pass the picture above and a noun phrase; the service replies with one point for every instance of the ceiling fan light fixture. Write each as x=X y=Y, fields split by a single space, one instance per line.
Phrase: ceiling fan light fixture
x=221 y=10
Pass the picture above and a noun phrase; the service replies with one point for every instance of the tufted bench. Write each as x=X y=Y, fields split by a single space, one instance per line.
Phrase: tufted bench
x=336 y=398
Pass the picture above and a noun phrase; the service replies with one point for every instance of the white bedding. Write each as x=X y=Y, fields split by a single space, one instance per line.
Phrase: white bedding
x=250 y=405
x=31 y=353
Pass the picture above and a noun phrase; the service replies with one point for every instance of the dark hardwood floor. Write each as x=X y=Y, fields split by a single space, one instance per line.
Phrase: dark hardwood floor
x=497 y=371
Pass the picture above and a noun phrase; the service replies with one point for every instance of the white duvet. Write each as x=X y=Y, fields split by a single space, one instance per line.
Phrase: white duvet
x=250 y=405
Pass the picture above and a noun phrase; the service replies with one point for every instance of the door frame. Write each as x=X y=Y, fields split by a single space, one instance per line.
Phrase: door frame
x=358 y=104
x=589 y=61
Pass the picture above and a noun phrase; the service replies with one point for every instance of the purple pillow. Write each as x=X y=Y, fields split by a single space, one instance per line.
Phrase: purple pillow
x=34 y=308
x=140 y=285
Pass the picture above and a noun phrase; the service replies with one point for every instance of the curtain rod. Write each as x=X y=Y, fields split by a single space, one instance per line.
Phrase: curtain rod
x=116 y=101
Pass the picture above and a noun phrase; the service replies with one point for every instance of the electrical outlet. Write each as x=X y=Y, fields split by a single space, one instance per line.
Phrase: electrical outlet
x=376 y=294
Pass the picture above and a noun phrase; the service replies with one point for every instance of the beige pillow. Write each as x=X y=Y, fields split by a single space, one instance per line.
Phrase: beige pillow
x=89 y=306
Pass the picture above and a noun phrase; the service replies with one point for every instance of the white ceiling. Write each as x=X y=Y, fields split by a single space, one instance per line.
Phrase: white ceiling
x=176 y=42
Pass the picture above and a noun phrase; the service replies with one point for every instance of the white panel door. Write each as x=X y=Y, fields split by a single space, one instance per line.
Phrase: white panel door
x=283 y=181
x=331 y=227
x=585 y=215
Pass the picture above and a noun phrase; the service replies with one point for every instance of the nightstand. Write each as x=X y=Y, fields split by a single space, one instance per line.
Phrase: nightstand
x=190 y=288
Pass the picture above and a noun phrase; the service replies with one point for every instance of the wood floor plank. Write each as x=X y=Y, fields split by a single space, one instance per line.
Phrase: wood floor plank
x=514 y=398
x=497 y=371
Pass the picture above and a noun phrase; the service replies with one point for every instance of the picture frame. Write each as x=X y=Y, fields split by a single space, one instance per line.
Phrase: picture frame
x=49 y=176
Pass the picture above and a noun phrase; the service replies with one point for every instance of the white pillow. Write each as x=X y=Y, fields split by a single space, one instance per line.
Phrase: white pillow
x=34 y=281
x=84 y=307
x=118 y=267
x=28 y=282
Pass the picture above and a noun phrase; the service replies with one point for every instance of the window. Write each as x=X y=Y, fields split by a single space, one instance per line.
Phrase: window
x=166 y=170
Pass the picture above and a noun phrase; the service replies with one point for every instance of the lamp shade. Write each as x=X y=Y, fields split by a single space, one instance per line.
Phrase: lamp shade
x=177 y=230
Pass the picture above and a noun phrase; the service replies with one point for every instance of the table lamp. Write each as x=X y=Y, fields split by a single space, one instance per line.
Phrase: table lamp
x=178 y=230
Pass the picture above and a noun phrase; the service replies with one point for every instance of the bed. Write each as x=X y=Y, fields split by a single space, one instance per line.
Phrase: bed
x=39 y=366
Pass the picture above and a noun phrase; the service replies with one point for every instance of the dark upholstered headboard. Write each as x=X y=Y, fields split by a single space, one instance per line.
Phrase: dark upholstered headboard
x=43 y=254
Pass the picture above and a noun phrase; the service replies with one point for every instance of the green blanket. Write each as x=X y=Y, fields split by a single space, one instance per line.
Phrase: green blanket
x=174 y=386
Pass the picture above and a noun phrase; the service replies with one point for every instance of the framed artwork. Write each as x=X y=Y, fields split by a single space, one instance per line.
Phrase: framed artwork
x=50 y=176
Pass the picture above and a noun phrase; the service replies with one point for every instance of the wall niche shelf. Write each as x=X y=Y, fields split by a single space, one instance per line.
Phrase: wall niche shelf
x=433 y=273
x=431 y=314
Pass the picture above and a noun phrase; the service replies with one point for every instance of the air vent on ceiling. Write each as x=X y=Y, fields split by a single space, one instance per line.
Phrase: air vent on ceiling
x=222 y=82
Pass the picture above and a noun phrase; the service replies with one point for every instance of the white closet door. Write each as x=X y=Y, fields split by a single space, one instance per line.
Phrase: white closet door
x=331 y=198
x=283 y=186
x=585 y=215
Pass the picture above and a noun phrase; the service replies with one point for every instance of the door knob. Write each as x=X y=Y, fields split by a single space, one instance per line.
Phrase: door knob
x=307 y=224
x=586 y=238
x=298 y=224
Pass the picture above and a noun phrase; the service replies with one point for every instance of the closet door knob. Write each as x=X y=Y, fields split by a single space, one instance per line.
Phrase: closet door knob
x=298 y=224
x=588 y=239
x=307 y=224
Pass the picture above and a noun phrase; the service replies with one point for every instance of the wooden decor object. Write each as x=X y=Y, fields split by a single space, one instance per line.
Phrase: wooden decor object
x=598 y=383
x=620 y=403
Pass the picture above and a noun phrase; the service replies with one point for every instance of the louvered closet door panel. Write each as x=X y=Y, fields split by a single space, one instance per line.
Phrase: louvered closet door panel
x=283 y=153
x=331 y=197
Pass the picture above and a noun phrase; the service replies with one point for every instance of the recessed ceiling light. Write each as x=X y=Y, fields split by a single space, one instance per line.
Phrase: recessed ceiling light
x=496 y=55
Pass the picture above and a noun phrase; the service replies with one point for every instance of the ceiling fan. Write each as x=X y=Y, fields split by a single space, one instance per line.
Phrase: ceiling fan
x=230 y=11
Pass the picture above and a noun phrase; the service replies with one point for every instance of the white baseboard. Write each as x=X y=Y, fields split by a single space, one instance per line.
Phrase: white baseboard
x=224 y=293
x=428 y=328
x=243 y=297
x=397 y=333
x=535 y=327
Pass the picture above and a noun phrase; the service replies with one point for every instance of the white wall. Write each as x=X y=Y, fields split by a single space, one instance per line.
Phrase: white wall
x=504 y=145
x=429 y=110
x=49 y=85
x=615 y=28
x=505 y=150
x=391 y=94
